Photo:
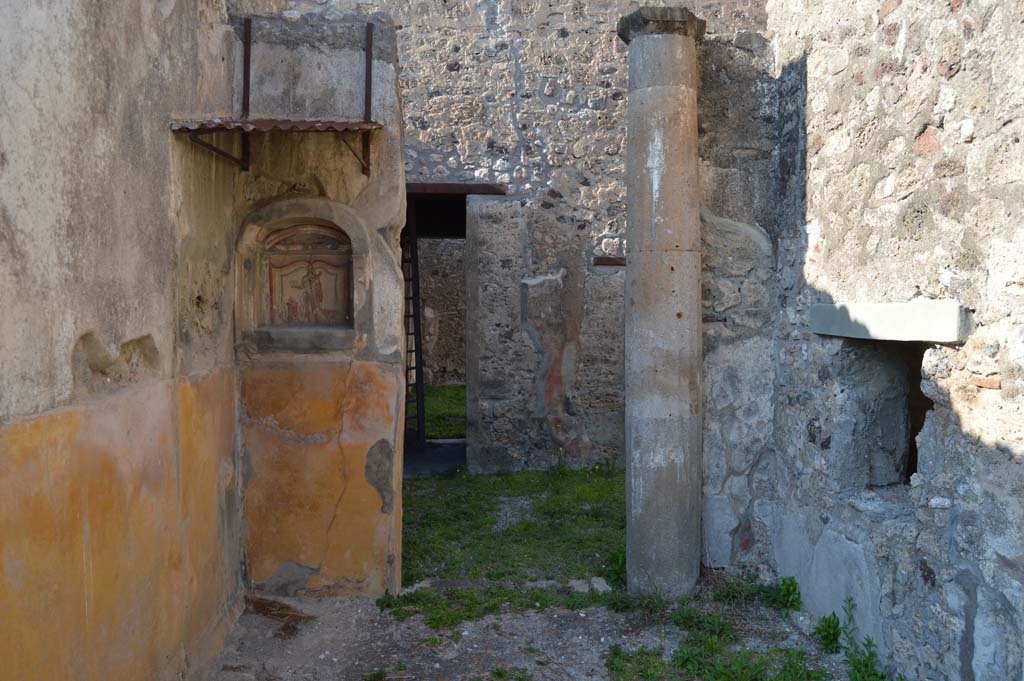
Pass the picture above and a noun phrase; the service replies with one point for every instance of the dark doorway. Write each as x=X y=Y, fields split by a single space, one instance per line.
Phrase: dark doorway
x=434 y=281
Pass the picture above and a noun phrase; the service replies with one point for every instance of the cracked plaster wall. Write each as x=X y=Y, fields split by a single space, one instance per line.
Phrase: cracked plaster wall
x=121 y=470
x=119 y=490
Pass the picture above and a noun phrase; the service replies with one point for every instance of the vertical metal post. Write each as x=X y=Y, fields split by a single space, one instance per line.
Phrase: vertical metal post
x=368 y=98
x=417 y=325
x=246 y=81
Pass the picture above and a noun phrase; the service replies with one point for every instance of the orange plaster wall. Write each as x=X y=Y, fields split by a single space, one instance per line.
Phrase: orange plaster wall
x=307 y=431
x=110 y=566
x=211 y=512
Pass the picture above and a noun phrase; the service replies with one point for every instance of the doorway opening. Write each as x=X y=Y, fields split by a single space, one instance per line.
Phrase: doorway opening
x=433 y=263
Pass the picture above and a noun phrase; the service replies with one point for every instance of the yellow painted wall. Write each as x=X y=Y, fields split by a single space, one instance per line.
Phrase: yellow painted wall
x=307 y=430
x=111 y=562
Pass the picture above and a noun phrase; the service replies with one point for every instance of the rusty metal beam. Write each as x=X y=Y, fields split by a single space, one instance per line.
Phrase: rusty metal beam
x=367 y=99
x=195 y=138
x=246 y=81
x=455 y=188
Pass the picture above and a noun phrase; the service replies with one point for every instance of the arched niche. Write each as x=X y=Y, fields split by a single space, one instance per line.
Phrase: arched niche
x=301 y=285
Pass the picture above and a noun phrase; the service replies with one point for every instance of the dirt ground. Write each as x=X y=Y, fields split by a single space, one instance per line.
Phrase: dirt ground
x=521 y=576
x=353 y=639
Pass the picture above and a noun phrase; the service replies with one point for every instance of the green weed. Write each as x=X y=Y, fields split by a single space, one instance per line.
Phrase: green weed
x=693 y=620
x=795 y=667
x=861 y=657
x=650 y=606
x=829 y=632
x=783 y=597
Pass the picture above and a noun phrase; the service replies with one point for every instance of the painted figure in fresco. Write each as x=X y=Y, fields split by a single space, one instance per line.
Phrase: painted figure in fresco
x=312 y=294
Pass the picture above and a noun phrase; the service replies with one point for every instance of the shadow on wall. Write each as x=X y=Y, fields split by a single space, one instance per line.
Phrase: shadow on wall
x=935 y=563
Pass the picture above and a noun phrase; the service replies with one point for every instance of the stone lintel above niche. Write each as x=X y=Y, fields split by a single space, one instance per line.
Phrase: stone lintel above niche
x=923 y=320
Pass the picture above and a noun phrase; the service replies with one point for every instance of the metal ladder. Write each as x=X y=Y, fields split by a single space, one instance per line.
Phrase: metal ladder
x=414 y=425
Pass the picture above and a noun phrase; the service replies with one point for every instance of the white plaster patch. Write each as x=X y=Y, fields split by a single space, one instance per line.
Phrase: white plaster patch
x=656 y=165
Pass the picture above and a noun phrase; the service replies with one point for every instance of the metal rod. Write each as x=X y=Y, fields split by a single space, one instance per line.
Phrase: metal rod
x=246 y=64
x=246 y=82
x=365 y=164
x=368 y=97
x=220 y=152
x=368 y=90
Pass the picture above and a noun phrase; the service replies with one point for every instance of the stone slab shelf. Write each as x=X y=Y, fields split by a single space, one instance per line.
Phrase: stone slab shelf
x=931 y=321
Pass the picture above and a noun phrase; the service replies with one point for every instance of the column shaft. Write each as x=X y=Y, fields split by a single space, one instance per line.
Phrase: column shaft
x=663 y=316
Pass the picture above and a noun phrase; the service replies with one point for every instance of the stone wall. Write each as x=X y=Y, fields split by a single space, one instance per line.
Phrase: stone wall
x=533 y=96
x=901 y=175
x=862 y=151
x=443 y=295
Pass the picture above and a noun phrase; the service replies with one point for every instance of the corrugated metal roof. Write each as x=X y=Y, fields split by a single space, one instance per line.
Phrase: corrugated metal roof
x=272 y=124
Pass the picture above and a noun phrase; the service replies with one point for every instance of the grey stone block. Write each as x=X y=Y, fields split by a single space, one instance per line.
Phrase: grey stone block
x=933 y=321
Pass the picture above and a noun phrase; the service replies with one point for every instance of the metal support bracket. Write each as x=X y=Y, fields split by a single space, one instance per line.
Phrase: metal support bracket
x=242 y=162
x=246 y=126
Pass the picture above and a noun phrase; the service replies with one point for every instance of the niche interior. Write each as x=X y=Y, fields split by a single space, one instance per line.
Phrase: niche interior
x=299 y=287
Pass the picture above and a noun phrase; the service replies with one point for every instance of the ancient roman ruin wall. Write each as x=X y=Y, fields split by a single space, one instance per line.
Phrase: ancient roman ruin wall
x=123 y=468
x=119 y=489
x=902 y=175
x=532 y=95
x=864 y=152
x=443 y=292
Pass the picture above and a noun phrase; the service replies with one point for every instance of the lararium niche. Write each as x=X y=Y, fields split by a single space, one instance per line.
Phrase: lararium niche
x=298 y=286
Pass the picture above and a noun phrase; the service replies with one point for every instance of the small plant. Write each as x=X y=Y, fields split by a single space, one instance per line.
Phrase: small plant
x=861 y=661
x=789 y=593
x=784 y=596
x=861 y=658
x=649 y=605
x=829 y=632
x=745 y=665
x=743 y=589
x=695 y=621
x=616 y=568
x=642 y=663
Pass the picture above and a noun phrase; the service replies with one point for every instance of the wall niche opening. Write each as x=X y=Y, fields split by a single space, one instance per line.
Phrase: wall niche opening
x=878 y=412
x=897 y=409
x=918 y=404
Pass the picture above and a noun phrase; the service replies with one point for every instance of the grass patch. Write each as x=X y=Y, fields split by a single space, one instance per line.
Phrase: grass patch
x=506 y=530
x=783 y=597
x=711 y=650
x=558 y=524
x=447 y=608
x=493 y=534
x=444 y=409
x=704 y=656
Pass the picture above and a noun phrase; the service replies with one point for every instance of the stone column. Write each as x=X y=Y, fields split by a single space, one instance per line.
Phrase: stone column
x=663 y=303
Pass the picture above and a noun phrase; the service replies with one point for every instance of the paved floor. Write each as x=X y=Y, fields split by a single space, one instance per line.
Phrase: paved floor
x=442 y=457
